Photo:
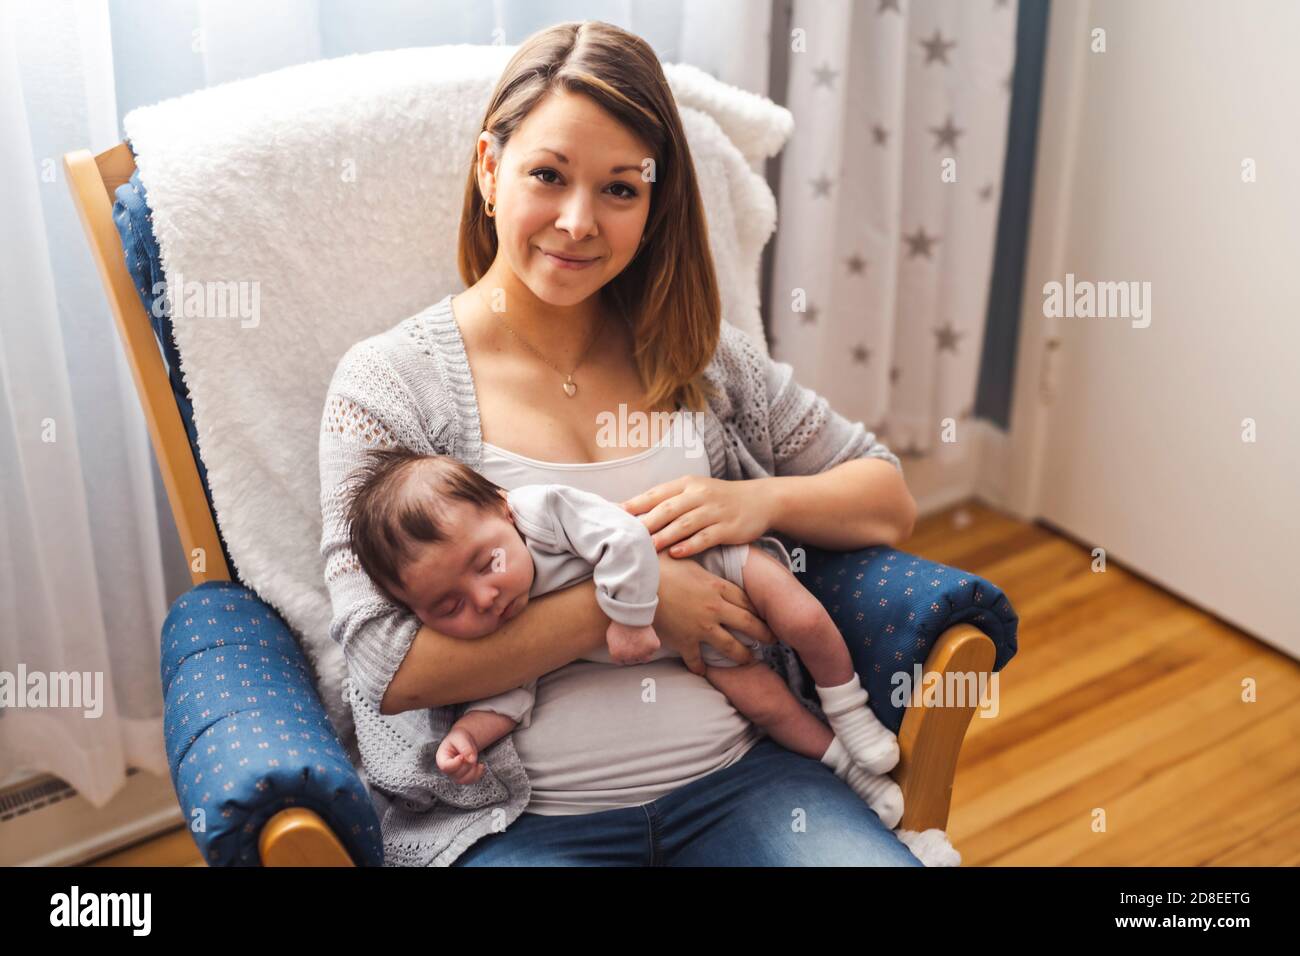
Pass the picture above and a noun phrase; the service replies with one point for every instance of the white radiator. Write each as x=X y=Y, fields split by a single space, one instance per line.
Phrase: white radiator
x=45 y=822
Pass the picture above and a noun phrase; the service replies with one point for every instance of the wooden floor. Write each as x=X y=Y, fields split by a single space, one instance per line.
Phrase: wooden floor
x=1122 y=737
x=1123 y=705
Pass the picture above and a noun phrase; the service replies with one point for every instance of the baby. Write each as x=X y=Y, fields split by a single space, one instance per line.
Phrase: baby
x=466 y=555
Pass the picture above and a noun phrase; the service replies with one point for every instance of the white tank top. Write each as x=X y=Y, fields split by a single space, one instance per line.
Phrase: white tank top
x=602 y=735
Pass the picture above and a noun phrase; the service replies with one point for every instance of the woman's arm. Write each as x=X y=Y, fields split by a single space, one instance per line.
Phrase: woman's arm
x=835 y=485
x=553 y=630
x=856 y=504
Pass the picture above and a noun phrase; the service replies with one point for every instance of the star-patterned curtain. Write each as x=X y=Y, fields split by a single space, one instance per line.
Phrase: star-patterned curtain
x=888 y=205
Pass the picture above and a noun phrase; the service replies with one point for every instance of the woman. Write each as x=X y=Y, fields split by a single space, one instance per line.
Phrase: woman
x=591 y=292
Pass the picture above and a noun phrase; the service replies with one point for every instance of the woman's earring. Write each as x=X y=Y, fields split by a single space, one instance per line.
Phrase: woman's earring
x=490 y=207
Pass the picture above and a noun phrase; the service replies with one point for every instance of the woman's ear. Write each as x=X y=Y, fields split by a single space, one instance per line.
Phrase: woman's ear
x=487 y=166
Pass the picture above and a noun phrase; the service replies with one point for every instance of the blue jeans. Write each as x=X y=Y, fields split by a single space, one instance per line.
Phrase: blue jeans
x=742 y=815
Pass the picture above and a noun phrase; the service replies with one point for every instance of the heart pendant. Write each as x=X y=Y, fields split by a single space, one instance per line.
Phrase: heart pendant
x=570 y=389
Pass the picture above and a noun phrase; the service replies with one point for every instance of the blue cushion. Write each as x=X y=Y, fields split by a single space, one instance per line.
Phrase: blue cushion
x=245 y=731
x=134 y=224
x=892 y=607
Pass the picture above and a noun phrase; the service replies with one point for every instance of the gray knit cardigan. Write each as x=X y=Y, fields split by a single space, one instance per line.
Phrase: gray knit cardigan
x=411 y=386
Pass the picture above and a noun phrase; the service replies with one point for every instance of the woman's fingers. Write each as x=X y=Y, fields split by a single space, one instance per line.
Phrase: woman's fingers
x=648 y=499
x=739 y=614
x=733 y=593
x=688 y=525
x=725 y=644
x=692 y=659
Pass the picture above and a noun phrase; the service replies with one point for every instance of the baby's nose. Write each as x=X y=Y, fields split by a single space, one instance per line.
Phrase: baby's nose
x=487 y=599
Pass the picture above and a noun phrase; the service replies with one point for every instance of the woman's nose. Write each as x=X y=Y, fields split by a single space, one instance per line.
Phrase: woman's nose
x=576 y=217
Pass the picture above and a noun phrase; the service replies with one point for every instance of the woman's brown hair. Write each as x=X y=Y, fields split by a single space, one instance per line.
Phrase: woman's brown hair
x=669 y=289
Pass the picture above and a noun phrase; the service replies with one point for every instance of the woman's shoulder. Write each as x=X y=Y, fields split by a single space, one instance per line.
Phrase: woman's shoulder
x=407 y=380
x=418 y=348
x=738 y=372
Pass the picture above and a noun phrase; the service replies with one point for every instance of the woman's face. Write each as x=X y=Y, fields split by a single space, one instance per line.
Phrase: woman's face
x=589 y=202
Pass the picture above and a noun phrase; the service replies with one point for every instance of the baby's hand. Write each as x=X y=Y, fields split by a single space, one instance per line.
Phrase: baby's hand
x=457 y=757
x=631 y=645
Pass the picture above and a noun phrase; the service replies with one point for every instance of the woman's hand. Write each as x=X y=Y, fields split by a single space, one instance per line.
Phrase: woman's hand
x=696 y=607
x=693 y=513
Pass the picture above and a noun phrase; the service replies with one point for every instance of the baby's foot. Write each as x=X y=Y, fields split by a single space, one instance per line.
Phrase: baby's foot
x=878 y=791
x=867 y=740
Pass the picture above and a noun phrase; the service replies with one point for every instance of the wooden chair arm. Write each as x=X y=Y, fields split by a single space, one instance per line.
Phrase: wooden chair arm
x=299 y=837
x=93 y=181
x=931 y=737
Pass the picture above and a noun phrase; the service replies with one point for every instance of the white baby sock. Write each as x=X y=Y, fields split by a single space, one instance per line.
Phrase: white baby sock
x=867 y=740
x=878 y=791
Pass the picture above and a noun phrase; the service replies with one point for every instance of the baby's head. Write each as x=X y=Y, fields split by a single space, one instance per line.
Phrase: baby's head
x=437 y=536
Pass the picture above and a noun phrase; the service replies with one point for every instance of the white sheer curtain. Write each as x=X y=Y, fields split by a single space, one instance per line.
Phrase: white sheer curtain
x=894 y=259
x=88 y=556
x=81 y=577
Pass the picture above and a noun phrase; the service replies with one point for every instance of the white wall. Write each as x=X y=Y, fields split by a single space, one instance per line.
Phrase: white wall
x=1131 y=438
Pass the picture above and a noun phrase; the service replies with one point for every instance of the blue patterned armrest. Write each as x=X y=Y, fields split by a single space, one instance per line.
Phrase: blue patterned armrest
x=245 y=730
x=892 y=607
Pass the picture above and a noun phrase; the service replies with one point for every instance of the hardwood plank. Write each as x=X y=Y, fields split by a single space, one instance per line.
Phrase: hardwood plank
x=1122 y=696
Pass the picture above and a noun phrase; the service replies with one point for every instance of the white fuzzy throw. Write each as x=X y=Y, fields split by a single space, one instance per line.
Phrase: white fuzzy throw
x=333 y=190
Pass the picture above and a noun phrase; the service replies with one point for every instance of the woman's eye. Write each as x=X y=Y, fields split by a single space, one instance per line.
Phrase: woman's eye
x=630 y=193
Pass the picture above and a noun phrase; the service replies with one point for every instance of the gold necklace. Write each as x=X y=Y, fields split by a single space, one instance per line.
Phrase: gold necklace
x=569 y=385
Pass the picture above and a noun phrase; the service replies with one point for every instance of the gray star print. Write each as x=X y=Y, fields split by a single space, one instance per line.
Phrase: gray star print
x=824 y=75
x=936 y=48
x=947 y=134
x=947 y=338
x=919 y=244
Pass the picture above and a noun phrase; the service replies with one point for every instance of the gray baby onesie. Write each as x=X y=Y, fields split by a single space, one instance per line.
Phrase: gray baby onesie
x=573 y=534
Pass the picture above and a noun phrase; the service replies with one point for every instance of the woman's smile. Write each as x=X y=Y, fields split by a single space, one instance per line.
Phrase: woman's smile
x=561 y=262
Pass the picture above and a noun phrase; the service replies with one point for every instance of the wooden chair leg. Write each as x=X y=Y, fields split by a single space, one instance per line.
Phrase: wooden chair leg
x=299 y=837
x=930 y=738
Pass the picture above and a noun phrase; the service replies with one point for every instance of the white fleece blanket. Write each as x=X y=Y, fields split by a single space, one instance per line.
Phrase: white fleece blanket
x=330 y=195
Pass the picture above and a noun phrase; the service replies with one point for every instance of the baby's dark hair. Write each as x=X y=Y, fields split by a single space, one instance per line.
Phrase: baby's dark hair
x=391 y=505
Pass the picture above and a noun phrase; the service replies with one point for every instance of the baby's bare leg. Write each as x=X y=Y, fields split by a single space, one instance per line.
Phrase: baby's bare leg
x=797 y=618
x=760 y=694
